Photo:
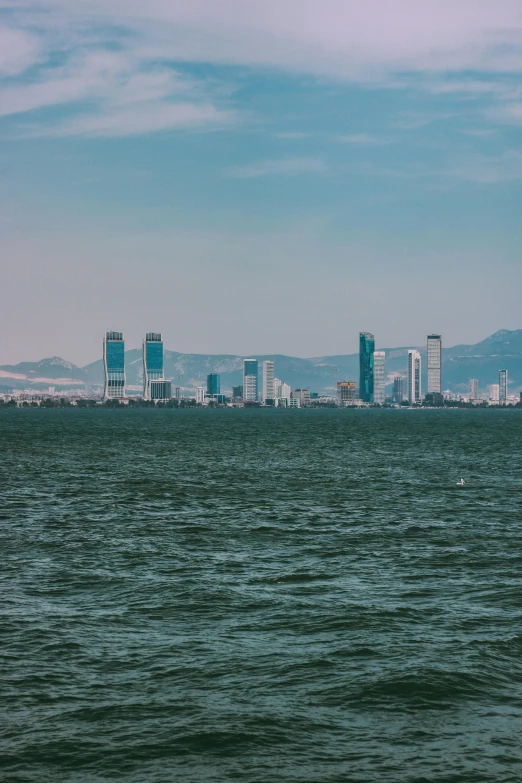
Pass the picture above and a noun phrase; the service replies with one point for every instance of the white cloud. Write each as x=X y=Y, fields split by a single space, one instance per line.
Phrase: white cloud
x=116 y=51
x=284 y=167
x=293 y=135
x=142 y=118
x=490 y=169
x=330 y=37
x=112 y=93
x=364 y=140
x=18 y=50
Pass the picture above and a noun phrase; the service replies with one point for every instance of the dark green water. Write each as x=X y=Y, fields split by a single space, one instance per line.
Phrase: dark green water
x=260 y=596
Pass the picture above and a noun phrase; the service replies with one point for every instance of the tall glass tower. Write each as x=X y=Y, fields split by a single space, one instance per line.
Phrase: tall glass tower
x=414 y=377
x=114 y=365
x=213 y=383
x=366 y=351
x=250 y=373
x=152 y=362
x=379 y=377
x=434 y=363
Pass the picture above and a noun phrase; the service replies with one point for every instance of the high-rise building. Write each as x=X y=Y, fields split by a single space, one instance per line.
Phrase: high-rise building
x=379 y=377
x=200 y=394
x=398 y=389
x=346 y=392
x=303 y=395
x=494 y=392
x=213 y=383
x=237 y=392
x=366 y=350
x=503 y=386
x=152 y=364
x=473 y=388
x=286 y=391
x=277 y=388
x=434 y=363
x=250 y=373
x=268 y=380
x=414 y=377
x=114 y=365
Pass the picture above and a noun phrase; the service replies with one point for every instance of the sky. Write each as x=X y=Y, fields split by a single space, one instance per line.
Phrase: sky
x=258 y=177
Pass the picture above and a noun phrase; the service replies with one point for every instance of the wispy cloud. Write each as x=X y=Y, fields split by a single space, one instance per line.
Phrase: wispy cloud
x=92 y=56
x=488 y=169
x=285 y=167
x=110 y=93
x=364 y=140
x=18 y=50
x=293 y=135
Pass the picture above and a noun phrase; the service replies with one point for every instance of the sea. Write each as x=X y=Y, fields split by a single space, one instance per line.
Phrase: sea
x=264 y=596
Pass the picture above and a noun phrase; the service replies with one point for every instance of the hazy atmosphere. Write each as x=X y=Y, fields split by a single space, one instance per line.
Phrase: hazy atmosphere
x=254 y=177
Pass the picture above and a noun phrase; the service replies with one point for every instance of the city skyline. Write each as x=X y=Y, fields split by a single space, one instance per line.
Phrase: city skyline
x=322 y=369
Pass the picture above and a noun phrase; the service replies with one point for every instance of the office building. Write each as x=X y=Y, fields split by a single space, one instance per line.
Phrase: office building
x=237 y=392
x=503 y=386
x=346 y=392
x=153 y=368
x=303 y=395
x=494 y=392
x=268 y=380
x=434 y=363
x=250 y=373
x=178 y=392
x=414 y=377
x=379 y=377
x=366 y=350
x=473 y=389
x=114 y=365
x=160 y=389
x=398 y=389
x=213 y=383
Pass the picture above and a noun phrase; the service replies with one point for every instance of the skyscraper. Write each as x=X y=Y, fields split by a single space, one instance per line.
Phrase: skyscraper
x=152 y=363
x=398 y=390
x=434 y=363
x=503 y=386
x=250 y=372
x=114 y=365
x=268 y=380
x=473 y=389
x=414 y=377
x=379 y=377
x=366 y=350
x=213 y=383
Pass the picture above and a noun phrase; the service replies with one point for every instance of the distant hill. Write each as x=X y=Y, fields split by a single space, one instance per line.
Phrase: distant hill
x=502 y=350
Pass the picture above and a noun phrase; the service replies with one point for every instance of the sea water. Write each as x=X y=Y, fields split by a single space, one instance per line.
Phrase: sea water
x=260 y=595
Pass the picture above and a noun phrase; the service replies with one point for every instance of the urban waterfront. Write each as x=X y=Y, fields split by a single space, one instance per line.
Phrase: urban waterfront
x=261 y=596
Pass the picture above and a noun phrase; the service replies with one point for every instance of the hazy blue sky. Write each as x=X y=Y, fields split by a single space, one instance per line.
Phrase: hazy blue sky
x=258 y=176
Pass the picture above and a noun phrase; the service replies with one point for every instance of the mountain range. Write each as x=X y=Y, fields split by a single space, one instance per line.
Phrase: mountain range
x=502 y=350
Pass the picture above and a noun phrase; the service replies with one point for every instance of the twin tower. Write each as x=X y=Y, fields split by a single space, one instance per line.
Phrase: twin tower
x=155 y=386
